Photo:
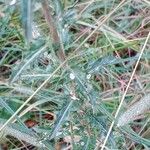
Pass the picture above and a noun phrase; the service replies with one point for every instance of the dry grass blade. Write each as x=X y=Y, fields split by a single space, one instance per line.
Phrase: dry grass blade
x=124 y=95
x=100 y=23
x=85 y=8
x=74 y=68
x=26 y=102
x=50 y=21
x=61 y=65
x=146 y=1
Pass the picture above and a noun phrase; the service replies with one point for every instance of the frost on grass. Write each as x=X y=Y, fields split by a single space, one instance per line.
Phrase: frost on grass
x=12 y=2
x=23 y=89
x=16 y=131
x=72 y=76
x=88 y=76
x=136 y=109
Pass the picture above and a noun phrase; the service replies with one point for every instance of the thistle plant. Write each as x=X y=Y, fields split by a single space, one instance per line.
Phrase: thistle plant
x=69 y=71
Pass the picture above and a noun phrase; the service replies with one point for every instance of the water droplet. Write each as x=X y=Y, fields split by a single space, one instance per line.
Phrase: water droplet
x=12 y=2
x=72 y=76
x=97 y=68
x=40 y=142
x=82 y=143
x=74 y=97
x=67 y=124
x=86 y=45
x=45 y=138
x=63 y=30
x=66 y=25
x=88 y=76
x=60 y=19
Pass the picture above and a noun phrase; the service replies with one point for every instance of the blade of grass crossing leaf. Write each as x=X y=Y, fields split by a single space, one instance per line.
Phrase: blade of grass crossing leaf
x=124 y=95
x=5 y=105
x=62 y=64
x=35 y=55
x=34 y=105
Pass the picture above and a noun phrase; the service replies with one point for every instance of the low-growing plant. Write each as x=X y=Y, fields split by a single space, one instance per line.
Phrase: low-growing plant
x=69 y=71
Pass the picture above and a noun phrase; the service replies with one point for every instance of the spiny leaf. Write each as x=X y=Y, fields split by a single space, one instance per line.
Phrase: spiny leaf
x=86 y=89
x=106 y=61
x=25 y=64
x=61 y=117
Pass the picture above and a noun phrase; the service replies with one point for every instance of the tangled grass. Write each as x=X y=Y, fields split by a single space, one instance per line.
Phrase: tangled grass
x=74 y=74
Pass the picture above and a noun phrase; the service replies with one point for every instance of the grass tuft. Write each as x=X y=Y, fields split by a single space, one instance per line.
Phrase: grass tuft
x=72 y=72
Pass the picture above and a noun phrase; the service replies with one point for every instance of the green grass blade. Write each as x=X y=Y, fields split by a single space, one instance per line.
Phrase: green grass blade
x=27 y=18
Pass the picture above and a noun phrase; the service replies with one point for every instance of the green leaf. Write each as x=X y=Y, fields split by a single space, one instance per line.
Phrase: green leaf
x=27 y=8
x=26 y=63
x=6 y=106
x=61 y=118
